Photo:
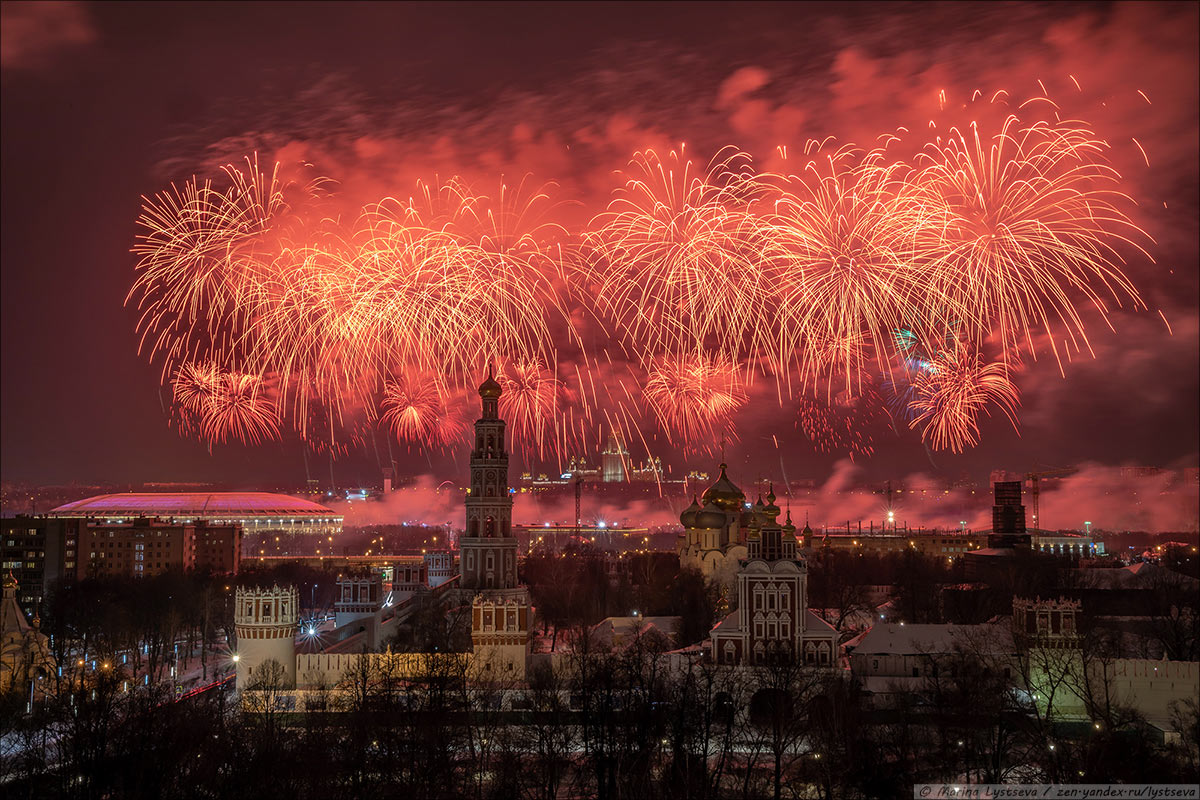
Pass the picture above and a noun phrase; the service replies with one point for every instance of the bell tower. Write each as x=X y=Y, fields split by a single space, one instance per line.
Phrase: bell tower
x=500 y=608
x=488 y=547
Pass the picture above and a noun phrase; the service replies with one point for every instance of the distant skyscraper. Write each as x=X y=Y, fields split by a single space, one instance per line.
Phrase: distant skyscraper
x=613 y=460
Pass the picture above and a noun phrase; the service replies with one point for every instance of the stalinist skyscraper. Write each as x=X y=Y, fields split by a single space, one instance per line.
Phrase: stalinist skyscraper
x=488 y=547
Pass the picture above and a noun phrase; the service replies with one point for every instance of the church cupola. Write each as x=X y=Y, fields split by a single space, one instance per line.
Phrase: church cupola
x=724 y=494
x=688 y=517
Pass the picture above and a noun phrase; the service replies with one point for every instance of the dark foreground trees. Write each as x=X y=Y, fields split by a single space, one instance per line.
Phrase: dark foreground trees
x=632 y=724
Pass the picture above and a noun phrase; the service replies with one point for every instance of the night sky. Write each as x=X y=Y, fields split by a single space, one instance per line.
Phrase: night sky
x=103 y=103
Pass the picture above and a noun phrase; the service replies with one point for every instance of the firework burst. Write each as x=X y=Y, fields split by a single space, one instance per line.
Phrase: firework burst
x=694 y=397
x=1030 y=221
x=679 y=257
x=907 y=266
x=952 y=392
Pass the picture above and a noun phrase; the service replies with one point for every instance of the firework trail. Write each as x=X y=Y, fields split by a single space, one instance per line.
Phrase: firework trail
x=419 y=410
x=845 y=424
x=218 y=406
x=849 y=243
x=529 y=403
x=679 y=257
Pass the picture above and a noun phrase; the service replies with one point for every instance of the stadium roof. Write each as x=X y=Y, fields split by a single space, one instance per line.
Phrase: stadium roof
x=193 y=504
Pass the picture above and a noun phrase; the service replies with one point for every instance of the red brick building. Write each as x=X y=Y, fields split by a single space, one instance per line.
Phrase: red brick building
x=145 y=547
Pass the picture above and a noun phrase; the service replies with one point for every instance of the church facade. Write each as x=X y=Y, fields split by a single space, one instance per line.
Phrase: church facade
x=751 y=553
x=772 y=620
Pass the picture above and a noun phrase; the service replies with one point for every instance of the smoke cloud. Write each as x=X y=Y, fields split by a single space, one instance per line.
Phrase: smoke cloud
x=1110 y=498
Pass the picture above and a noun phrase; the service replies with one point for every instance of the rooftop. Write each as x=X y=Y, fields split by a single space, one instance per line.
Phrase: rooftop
x=887 y=639
x=193 y=504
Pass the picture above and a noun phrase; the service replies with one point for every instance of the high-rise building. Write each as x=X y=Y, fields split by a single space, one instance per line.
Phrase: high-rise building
x=1008 y=517
x=37 y=552
x=146 y=547
x=613 y=460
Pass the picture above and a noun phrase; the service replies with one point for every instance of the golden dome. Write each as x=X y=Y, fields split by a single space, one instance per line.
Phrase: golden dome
x=724 y=494
x=711 y=517
x=490 y=388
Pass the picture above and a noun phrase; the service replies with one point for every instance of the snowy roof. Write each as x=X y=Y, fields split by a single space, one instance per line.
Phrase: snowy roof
x=888 y=639
x=608 y=630
x=814 y=623
x=1135 y=576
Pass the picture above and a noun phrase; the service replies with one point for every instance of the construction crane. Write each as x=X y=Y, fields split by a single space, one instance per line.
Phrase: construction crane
x=1034 y=489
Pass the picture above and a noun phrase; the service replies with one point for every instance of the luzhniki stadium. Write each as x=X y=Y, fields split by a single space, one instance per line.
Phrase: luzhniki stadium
x=258 y=512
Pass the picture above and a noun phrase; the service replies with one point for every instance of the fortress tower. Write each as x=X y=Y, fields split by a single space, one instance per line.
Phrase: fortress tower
x=265 y=620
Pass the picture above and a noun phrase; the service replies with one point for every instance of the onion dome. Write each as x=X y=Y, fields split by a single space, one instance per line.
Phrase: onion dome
x=788 y=527
x=725 y=494
x=771 y=510
x=490 y=389
x=711 y=516
x=688 y=517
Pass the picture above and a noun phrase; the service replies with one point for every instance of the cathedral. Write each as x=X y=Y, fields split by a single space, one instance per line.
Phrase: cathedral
x=715 y=532
x=746 y=547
